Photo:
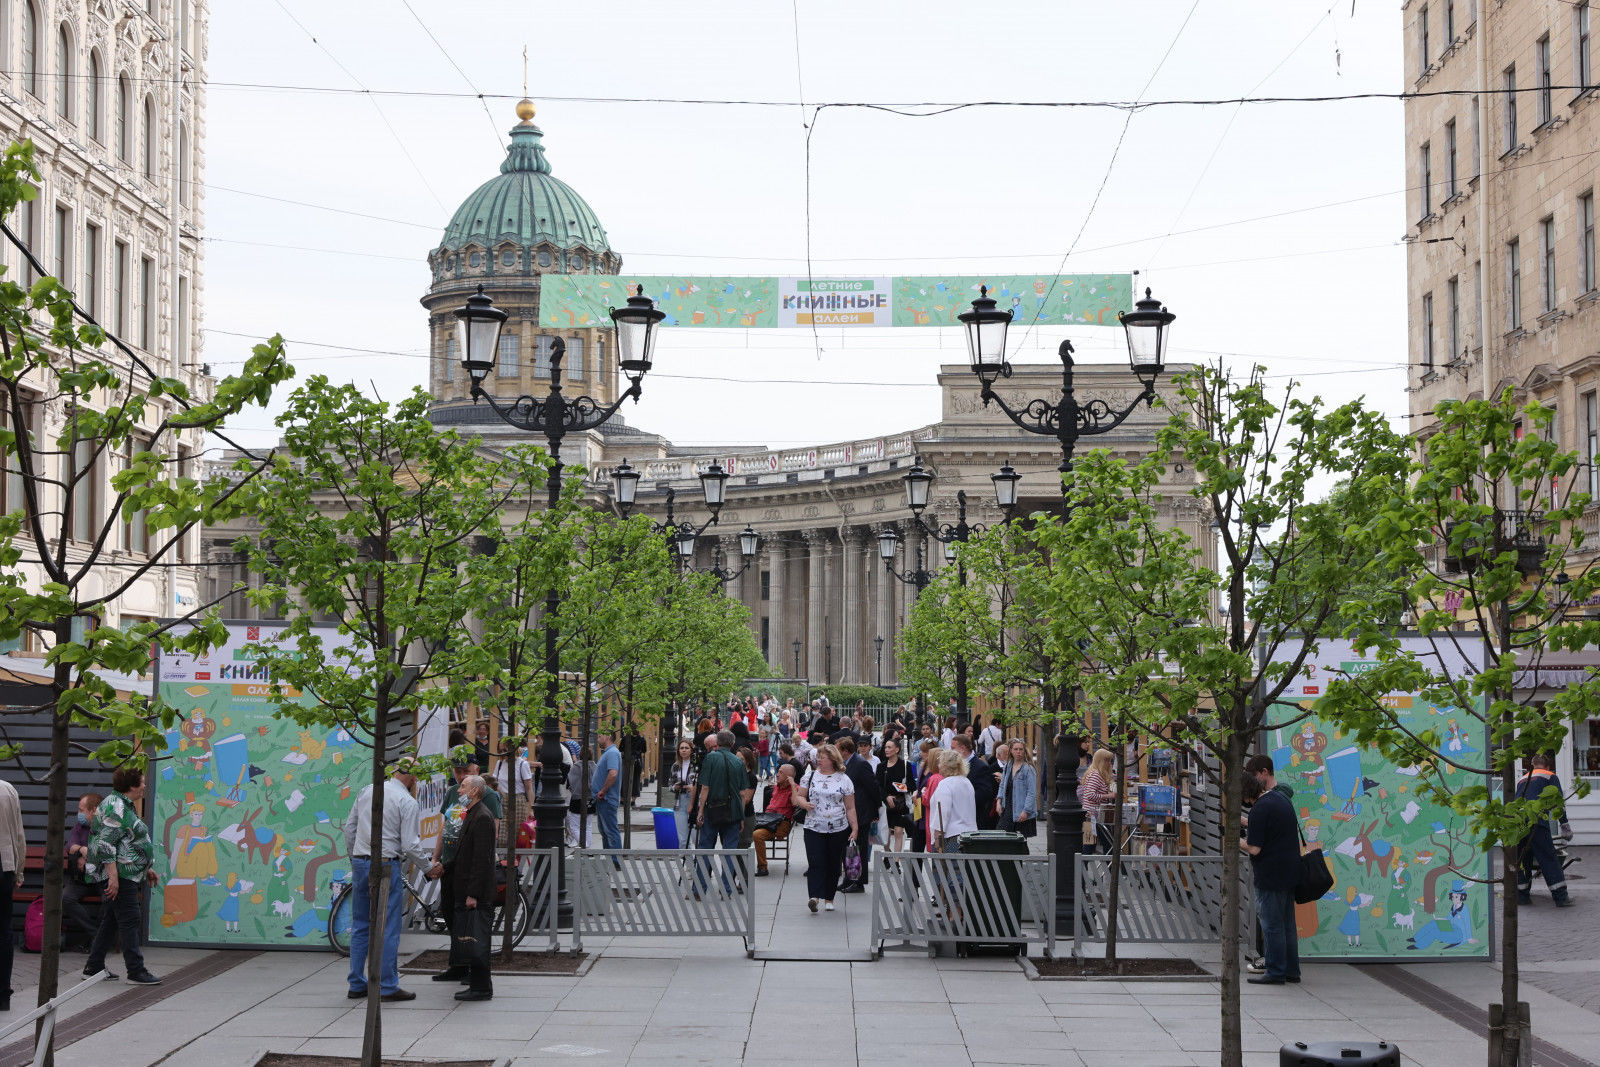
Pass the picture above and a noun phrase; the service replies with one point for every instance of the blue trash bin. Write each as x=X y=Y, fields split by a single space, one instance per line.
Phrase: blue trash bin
x=666 y=828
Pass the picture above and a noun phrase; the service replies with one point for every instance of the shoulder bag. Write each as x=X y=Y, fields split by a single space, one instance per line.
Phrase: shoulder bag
x=1315 y=877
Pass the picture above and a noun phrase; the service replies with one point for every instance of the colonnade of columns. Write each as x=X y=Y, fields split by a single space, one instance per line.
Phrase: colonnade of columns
x=827 y=587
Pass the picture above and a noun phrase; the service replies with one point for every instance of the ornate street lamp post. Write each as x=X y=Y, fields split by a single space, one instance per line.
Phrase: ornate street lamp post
x=1066 y=420
x=797 y=657
x=877 y=643
x=919 y=483
x=554 y=416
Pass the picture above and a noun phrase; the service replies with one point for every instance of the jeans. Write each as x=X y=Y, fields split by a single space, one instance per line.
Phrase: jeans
x=825 y=857
x=1280 y=939
x=118 y=917
x=680 y=815
x=361 y=926
x=710 y=833
x=769 y=766
x=605 y=813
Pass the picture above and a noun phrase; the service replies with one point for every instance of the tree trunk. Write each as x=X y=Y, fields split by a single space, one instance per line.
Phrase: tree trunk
x=377 y=888
x=1114 y=897
x=1512 y=1032
x=1232 y=797
x=55 y=839
x=513 y=827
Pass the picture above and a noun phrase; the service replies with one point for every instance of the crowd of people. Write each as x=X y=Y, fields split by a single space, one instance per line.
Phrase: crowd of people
x=848 y=784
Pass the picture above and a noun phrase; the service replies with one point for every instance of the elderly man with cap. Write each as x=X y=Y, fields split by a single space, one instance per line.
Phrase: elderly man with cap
x=397 y=840
x=444 y=849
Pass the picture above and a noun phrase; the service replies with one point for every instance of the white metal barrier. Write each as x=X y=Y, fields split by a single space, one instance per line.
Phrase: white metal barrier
x=667 y=893
x=928 y=897
x=47 y=1012
x=1159 y=899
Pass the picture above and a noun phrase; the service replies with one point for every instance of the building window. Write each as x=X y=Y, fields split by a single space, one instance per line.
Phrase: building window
x=1477 y=304
x=1424 y=45
x=1450 y=158
x=30 y=237
x=1452 y=311
x=123 y=119
x=574 y=360
x=184 y=182
x=766 y=580
x=183 y=320
x=147 y=140
x=1513 y=285
x=510 y=362
x=1508 y=82
x=91 y=270
x=185 y=471
x=147 y=303
x=1547 y=264
x=97 y=100
x=1449 y=22
x=1477 y=134
x=541 y=356
x=1425 y=168
x=85 y=491
x=30 y=47
x=1427 y=331
x=63 y=235
x=64 y=72
x=183 y=24
x=15 y=487
x=119 y=290
x=1541 y=57
x=1581 y=65
x=449 y=359
x=1591 y=441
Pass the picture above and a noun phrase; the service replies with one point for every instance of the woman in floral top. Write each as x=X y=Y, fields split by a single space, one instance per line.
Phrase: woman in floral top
x=120 y=851
x=827 y=794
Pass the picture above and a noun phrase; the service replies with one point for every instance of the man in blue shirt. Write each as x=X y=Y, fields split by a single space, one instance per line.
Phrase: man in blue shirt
x=1272 y=838
x=606 y=790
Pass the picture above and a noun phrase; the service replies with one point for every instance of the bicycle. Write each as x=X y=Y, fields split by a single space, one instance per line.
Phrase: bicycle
x=422 y=906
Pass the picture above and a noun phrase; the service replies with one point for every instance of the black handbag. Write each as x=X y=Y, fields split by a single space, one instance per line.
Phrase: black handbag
x=1315 y=877
x=769 y=820
x=471 y=934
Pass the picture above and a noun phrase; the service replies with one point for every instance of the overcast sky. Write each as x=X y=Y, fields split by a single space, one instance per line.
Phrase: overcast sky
x=1272 y=230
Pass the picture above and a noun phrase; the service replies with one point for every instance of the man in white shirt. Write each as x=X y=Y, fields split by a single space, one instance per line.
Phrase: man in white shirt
x=13 y=854
x=989 y=739
x=400 y=840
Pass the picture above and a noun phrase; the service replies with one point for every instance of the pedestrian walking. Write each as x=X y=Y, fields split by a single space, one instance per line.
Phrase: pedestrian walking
x=1019 y=791
x=1272 y=838
x=1094 y=793
x=897 y=782
x=719 y=810
x=473 y=923
x=985 y=782
x=13 y=854
x=682 y=782
x=952 y=812
x=828 y=797
x=747 y=828
x=395 y=842
x=605 y=790
x=867 y=800
x=120 y=851
x=1538 y=847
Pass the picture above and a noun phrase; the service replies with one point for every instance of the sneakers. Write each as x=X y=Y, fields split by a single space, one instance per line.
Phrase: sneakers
x=144 y=978
x=1256 y=967
x=828 y=906
x=761 y=872
x=812 y=904
x=111 y=976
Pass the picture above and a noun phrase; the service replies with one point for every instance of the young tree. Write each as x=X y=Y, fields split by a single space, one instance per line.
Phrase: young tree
x=1486 y=538
x=79 y=405
x=1283 y=566
x=368 y=518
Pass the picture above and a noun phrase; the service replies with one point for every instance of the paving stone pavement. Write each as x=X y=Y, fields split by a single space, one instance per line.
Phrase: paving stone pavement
x=1560 y=947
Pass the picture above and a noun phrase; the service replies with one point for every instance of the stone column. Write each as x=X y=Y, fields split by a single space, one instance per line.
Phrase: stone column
x=778 y=607
x=816 y=601
x=886 y=609
x=850 y=608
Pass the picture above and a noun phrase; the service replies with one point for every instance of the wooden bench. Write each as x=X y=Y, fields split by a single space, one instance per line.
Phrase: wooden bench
x=31 y=886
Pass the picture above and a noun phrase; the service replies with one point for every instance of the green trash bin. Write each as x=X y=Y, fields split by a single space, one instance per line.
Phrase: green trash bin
x=979 y=892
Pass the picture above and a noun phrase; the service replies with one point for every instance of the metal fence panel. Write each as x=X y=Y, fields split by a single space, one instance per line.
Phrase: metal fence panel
x=1160 y=899
x=928 y=897
x=537 y=872
x=665 y=893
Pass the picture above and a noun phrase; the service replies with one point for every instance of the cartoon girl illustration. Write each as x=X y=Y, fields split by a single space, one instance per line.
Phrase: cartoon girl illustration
x=229 y=912
x=194 y=849
x=1457 y=930
x=1350 y=925
x=1399 y=901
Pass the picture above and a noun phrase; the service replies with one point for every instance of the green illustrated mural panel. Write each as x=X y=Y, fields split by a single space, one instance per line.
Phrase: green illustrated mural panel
x=1403 y=866
x=579 y=300
x=248 y=810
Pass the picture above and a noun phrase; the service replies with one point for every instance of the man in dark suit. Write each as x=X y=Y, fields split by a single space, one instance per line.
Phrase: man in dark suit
x=980 y=772
x=859 y=770
x=475 y=891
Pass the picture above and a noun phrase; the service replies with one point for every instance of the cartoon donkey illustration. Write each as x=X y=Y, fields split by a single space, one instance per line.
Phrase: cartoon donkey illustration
x=253 y=841
x=1380 y=854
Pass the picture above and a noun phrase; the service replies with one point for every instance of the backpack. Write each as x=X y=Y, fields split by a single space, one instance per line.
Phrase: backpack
x=33 y=927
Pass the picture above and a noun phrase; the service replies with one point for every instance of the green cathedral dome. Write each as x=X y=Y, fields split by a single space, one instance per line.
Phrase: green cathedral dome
x=525 y=204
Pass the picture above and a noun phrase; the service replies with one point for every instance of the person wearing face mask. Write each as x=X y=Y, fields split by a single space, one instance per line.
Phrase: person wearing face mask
x=77 y=929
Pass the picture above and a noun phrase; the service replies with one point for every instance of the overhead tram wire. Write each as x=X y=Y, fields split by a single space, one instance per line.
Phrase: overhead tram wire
x=1111 y=165
x=493 y=125
x=381 y=114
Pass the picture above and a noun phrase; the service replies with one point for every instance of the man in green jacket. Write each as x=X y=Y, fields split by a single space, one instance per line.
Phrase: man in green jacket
x=120 y=850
